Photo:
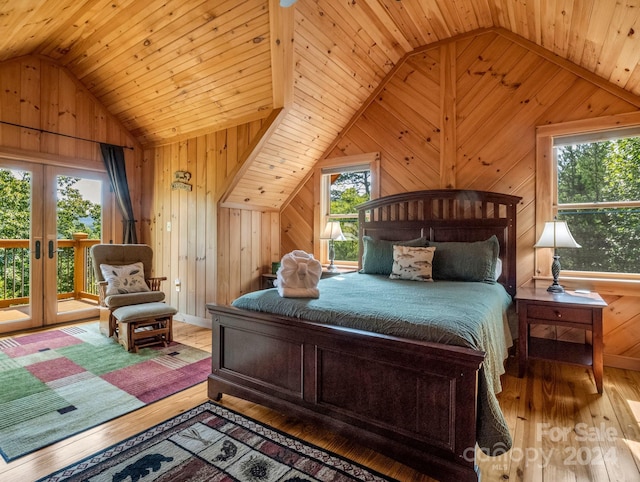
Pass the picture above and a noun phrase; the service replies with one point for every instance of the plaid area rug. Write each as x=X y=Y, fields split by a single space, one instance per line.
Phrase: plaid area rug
x=57 y=383
x=213 y=443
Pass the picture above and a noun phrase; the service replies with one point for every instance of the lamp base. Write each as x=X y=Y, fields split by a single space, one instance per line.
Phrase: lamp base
x=332 y=267
x=555 y=288
x=555 y=271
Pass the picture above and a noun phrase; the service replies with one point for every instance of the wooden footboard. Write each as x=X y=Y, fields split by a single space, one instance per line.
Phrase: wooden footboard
x=412 y=401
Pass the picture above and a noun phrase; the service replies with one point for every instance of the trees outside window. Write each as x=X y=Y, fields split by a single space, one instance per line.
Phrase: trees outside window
x=74 y=214
x=598 y=195
x=347 y=190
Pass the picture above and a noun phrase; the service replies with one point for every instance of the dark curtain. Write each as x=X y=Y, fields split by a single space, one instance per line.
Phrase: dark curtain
x=113 y=157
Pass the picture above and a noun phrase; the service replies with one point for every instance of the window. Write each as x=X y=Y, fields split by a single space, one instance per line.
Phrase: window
x=344 y=184
x=598 y=195
x=590 y=179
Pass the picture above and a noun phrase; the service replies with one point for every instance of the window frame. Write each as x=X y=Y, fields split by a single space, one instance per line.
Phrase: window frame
x=370 y=161
x=547 y=201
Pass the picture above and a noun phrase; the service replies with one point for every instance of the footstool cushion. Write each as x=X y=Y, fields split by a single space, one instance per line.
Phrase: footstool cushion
x=143 y=311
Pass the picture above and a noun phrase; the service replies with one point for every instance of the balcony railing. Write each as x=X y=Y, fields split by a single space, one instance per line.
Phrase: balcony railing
x=75 y=275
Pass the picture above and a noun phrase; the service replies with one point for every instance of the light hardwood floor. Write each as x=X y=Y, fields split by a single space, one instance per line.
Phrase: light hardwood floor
x=562 y=429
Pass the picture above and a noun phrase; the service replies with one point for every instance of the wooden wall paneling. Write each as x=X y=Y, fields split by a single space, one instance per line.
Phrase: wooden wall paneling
x=197 y=283
x=194 y=226
x=148 y=221
x=410 y=160
x=484 y=75
x=30 y=103
x=223 y=266
x=181 y=249
x=297 y=221
x=85 y=119
x=165 y=239
x=221 y=159
x=495 y=154
x=470 y=64
x=622 y=330
x=235 y=253
x=50 y=107
x=212 y=277
x=501 y=91
x=174 y=234
x=448 y=117
x=265 y=253
x=274 y=240
x=66 y=117
x=9 y=103
x=257 y=247
x=245 y=256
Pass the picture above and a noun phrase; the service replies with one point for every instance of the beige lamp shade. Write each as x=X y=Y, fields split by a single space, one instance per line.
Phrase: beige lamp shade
x=556 y=234
x=333 y=231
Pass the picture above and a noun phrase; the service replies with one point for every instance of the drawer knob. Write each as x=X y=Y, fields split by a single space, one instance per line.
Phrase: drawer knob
x=558 y=314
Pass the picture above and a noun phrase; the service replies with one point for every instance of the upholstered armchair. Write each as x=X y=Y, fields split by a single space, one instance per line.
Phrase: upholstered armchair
x=123 y=276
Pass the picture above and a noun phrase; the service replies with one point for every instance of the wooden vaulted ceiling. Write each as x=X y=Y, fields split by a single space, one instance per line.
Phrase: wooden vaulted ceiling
x=167 y=69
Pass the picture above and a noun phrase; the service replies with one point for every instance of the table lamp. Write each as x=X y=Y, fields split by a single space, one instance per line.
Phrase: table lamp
x=556 y=234
x=332 y=232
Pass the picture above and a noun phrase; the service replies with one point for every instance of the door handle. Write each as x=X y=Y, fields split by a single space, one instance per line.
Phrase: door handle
x=37 y=249
x=51 y=250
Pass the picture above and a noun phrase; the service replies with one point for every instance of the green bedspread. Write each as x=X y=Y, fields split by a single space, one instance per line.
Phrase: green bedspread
x=465 y=314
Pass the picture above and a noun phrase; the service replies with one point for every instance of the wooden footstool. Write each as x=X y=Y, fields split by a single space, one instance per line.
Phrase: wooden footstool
x=144 y=324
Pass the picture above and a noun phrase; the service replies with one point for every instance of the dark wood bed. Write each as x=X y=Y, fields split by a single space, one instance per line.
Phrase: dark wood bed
x=364 y=385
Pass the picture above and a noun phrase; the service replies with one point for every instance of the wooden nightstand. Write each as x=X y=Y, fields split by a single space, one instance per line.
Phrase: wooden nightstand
x=268 y=278
x=570 y=309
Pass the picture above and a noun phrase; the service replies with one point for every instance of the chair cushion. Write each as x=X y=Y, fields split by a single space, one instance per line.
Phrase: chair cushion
x=126 y=314
x=121 y=279
x=115 y=301
x=120 y=254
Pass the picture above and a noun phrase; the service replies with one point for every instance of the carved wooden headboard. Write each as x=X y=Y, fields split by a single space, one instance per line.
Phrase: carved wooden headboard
x=446 y=215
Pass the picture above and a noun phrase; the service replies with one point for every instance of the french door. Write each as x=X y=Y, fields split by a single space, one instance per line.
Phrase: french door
x=49 y=218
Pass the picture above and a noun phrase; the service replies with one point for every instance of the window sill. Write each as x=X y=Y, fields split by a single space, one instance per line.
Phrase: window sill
x=603 y=285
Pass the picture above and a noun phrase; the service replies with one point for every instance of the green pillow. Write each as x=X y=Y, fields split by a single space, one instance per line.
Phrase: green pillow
x=377 y=257
x=456 y=261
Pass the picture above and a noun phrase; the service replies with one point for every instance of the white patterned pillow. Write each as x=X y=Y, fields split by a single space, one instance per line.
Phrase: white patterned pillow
x=127 y=278
x=412 y=263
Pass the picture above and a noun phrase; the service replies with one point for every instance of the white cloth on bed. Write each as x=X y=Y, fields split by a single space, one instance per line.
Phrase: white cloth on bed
x=298 y=275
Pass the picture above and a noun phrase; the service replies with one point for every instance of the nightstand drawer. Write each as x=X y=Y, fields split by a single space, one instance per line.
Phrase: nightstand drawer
x=572 y=315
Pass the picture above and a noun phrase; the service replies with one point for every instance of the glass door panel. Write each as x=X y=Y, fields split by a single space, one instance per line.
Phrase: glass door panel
x=75 y=225
x=21 y=243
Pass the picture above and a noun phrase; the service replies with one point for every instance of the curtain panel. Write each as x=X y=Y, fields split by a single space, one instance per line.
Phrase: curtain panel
x=113 y=157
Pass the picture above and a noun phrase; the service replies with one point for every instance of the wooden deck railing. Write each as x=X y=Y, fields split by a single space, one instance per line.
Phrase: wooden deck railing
x=75 y=275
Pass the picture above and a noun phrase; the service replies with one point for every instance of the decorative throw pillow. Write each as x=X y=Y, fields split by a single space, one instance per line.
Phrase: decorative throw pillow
x=128 y=278
x=457 y=261
x=377 y=256
x=412 y=263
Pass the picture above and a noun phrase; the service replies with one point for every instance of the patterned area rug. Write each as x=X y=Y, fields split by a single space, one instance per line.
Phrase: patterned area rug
x=61 y=382
x=213 y=443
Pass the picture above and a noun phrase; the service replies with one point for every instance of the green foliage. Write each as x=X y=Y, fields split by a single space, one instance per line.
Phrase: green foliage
x=606 y=171
x=74 y=214
x=348 y=190
x=15 y=209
